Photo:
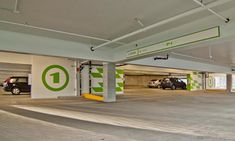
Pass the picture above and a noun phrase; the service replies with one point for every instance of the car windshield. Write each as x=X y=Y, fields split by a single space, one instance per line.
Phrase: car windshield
x=12 y=80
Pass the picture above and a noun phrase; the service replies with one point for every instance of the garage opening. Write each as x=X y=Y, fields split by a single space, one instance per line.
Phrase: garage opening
x=14 y=80
x=157 y=80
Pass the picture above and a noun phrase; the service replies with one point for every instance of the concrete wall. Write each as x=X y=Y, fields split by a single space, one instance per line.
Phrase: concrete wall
x=15 y=58
x=140 y=80
x=212 y=83
x=15 y=64
x=45 y=85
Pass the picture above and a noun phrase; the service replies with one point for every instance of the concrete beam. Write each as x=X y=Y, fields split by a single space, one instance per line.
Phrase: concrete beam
x=181 y=64
x=31 y=44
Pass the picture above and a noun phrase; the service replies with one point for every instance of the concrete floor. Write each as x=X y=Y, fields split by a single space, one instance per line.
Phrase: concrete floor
x=140 y=114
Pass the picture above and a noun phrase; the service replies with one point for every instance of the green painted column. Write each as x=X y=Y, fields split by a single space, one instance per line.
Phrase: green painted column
x=194 y=81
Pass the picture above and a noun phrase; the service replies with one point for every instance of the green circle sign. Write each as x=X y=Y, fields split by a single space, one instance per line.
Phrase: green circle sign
x=56 y=78
x=210 y=82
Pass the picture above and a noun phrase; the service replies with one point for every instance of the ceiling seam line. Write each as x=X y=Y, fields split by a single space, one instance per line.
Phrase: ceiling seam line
x=58 y=31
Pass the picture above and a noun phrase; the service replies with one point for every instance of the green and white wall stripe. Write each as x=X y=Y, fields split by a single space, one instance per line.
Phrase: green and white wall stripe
x=194 y=81
x=97 y=80
x=119 y=81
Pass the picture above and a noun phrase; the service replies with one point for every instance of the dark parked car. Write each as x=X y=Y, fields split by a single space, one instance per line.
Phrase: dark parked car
x=173 y=83
x=16 y=85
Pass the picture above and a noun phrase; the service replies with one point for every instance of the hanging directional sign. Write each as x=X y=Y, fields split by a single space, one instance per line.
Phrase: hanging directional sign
x=177 y=42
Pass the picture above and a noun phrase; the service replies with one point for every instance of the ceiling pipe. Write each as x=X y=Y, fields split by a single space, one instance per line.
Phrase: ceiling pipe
x=16 y=10
x=187 y=13
x=58 y=31
x=139 y=22
x=212 y=11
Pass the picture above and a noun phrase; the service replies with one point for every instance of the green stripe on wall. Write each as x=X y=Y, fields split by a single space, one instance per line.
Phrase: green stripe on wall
x=96 y=75
x=118 y=76
x=101 y=84
x=120 y=84
x=100 y=70
x=97 y=89
x=118 y=89
x=120 y=71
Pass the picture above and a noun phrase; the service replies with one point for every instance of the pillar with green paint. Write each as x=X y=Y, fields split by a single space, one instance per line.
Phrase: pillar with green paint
x=194 y=81
x=97 y=80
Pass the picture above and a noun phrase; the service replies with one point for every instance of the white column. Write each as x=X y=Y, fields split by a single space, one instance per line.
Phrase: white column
x=109 y=79
x=75 y=78
x=203 y=81
x=229 y=83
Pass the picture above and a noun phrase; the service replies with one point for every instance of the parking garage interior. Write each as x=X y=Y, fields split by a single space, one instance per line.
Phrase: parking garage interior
x=149 y=113
x=117 y=70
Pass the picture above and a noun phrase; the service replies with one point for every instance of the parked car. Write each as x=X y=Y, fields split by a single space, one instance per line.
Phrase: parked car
x=16 y=85
x=154 y=83
x=173 y=83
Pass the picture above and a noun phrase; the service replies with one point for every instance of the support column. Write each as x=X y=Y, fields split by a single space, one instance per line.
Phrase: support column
x=109 y=79
x=229 y=83
x=78 y=79
x=203 y=81
x=77 y=76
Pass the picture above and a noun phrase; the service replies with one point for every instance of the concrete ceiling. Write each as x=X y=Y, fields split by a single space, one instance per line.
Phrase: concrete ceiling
x=220 y=53
x=106 y=19
x=109 y=19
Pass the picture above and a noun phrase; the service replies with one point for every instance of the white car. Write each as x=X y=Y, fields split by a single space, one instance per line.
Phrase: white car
x=154 y=83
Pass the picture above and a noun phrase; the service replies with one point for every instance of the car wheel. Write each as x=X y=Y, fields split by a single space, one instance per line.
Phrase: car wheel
x=173 y=87
x=163 y=88
x=15 y=91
